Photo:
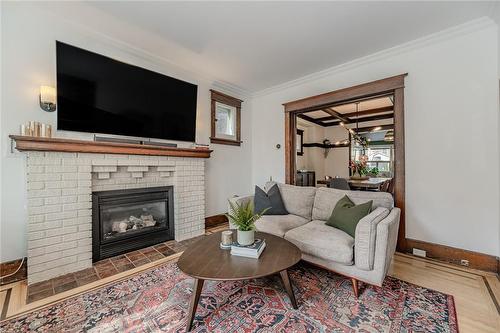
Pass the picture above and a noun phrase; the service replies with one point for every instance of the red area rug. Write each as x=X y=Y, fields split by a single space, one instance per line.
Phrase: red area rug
x=157 y=301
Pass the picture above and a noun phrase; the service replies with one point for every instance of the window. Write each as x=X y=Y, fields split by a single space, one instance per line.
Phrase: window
x=225 y=119
x=379 y=156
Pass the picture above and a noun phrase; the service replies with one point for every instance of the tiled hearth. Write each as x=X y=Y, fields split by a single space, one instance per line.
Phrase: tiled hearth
x=109 y=267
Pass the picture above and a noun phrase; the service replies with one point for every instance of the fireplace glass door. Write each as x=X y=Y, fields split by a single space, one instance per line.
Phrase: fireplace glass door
x=126 y=220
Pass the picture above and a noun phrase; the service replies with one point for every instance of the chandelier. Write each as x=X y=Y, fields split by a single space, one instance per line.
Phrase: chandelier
x=358 y=139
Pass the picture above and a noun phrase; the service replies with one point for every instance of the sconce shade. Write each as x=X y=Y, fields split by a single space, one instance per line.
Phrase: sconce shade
x=48 y=98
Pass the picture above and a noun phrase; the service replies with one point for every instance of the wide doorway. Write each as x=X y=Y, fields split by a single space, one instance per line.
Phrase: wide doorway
x=351 y=138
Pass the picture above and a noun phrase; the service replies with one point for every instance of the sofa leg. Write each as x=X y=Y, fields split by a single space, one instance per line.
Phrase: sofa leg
x=355 y=287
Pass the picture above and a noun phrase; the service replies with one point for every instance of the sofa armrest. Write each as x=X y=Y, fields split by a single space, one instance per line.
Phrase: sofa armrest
x=239 y=200
x=385 y=244
x=365 y=238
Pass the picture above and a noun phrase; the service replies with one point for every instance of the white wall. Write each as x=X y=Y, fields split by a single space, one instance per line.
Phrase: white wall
x=337 y=162
x=452 y=178
x=28 y=61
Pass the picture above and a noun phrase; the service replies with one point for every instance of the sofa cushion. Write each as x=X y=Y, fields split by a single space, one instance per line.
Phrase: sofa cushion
x=317 y=239
x=279 y=224
x=346 y=215
x=326 y=199
x=270 y=203
x=298 y=200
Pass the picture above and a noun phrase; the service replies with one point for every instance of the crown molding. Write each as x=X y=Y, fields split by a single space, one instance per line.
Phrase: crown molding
x=447 y=34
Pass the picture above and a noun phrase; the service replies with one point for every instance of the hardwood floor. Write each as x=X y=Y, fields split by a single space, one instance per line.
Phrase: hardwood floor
x=477 y=293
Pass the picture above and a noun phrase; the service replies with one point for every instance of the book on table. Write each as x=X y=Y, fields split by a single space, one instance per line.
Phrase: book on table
x=251 y=251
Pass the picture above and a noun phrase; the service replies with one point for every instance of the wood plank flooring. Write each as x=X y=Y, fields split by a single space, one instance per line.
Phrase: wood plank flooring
x=477 y=293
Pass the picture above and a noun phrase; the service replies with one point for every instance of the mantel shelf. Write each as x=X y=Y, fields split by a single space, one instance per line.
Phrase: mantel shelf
x=29 y=143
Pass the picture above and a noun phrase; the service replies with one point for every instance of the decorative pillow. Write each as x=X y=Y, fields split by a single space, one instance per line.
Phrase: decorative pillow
x=272 y=200
x=346 y=215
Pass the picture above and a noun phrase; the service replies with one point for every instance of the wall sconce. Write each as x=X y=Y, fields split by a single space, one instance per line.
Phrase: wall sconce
x=47 y=98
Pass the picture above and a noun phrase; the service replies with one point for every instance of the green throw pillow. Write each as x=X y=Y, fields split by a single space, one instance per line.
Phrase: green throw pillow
x=346 y=215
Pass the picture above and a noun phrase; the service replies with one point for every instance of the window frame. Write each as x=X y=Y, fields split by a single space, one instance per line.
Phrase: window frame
x=218 y=98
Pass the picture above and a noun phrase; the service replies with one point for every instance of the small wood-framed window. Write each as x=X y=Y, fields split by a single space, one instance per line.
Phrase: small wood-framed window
x=226 y=119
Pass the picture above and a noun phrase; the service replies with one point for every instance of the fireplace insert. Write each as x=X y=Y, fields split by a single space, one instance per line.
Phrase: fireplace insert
x=126 y=220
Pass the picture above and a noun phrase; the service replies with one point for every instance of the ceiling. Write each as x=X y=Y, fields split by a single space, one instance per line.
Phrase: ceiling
x=373 y=109
x=256 y=45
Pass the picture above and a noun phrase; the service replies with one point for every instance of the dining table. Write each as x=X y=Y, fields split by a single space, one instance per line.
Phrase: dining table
x=372 y=183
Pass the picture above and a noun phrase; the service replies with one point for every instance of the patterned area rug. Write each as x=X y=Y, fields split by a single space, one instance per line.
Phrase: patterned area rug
x=157 y=301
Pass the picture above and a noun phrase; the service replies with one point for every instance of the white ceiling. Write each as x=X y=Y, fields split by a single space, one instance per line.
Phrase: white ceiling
x=256 y=45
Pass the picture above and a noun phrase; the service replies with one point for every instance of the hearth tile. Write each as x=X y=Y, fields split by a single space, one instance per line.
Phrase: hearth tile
x=39 y=286
x=102 y=263
x=108 y=272
x=168 y=243
x=178 y=247
x=120 y=260
x=140 y=262
x=87 y=279
x=147 y=250
x=104 y=268
x=126 y=267
x=164 y=249
x=84 y=273
x=40 y=295
x=60 y=280
x=65 y=287
x=154 y=255
x=136 y=255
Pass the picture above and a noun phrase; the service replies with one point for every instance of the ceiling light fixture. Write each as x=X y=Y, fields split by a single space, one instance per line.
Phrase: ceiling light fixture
x=358 y=139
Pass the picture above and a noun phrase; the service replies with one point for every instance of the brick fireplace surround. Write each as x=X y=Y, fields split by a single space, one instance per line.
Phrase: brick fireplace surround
x=60 y=185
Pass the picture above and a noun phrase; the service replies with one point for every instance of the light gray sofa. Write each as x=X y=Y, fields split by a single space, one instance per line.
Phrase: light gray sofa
x=366 y=257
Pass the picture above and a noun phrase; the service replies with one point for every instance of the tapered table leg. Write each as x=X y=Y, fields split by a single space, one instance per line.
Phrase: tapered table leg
x=288 y=287
x=195 y=297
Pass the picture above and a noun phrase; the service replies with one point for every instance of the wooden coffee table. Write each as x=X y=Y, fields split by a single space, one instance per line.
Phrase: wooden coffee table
x=205 y=260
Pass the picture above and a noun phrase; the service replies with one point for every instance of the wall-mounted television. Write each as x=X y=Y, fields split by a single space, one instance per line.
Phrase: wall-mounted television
x=97 y=94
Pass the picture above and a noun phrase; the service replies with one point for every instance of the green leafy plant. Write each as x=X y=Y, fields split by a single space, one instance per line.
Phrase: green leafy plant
x=374 y=171
x=242 y=215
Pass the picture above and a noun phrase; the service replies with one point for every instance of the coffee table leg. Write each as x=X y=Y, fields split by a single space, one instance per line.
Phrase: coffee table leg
x=195 y=297
x=288 y=287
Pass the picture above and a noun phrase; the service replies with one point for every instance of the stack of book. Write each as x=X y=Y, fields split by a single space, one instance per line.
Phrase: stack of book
x=250 y=251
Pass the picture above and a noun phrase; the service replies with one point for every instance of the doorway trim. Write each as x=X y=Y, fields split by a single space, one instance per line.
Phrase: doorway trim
x=392 y=85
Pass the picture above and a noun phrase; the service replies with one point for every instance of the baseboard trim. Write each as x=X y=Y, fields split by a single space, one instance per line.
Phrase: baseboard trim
x=453 y=255
x=9 y=267
x=213 y=221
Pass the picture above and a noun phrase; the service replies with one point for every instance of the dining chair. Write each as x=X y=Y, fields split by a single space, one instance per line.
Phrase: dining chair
x=385 y=186
x=339 y=184
x=390 y=187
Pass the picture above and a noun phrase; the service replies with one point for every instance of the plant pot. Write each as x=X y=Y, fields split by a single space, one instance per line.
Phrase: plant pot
x=246 y=237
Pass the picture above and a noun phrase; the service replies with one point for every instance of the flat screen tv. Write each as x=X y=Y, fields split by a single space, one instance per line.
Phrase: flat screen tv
x=97 y=94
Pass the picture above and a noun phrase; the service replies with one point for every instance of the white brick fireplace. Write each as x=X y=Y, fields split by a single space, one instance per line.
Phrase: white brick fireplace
x=60 y=205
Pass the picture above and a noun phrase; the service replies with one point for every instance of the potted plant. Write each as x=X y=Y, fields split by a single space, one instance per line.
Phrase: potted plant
x=243 y=216
x=359 y=167
x=374 y=171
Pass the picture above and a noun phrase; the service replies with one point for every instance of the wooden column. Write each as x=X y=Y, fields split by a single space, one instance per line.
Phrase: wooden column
x=290 y=150
x=399 y=164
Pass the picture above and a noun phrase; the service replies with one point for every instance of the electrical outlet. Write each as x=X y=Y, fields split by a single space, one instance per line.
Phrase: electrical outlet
x=464 y=262
x=420 y=253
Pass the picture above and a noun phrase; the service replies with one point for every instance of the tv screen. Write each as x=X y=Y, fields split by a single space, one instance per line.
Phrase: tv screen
x=97 y=94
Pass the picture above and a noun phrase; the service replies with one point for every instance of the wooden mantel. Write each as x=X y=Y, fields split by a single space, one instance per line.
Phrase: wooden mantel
x=29 y=143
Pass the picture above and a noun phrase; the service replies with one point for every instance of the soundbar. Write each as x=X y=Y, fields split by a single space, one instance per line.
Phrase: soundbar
x=134 y=141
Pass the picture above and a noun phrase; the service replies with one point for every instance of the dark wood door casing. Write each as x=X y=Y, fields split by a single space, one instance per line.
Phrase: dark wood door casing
x=392 y=85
